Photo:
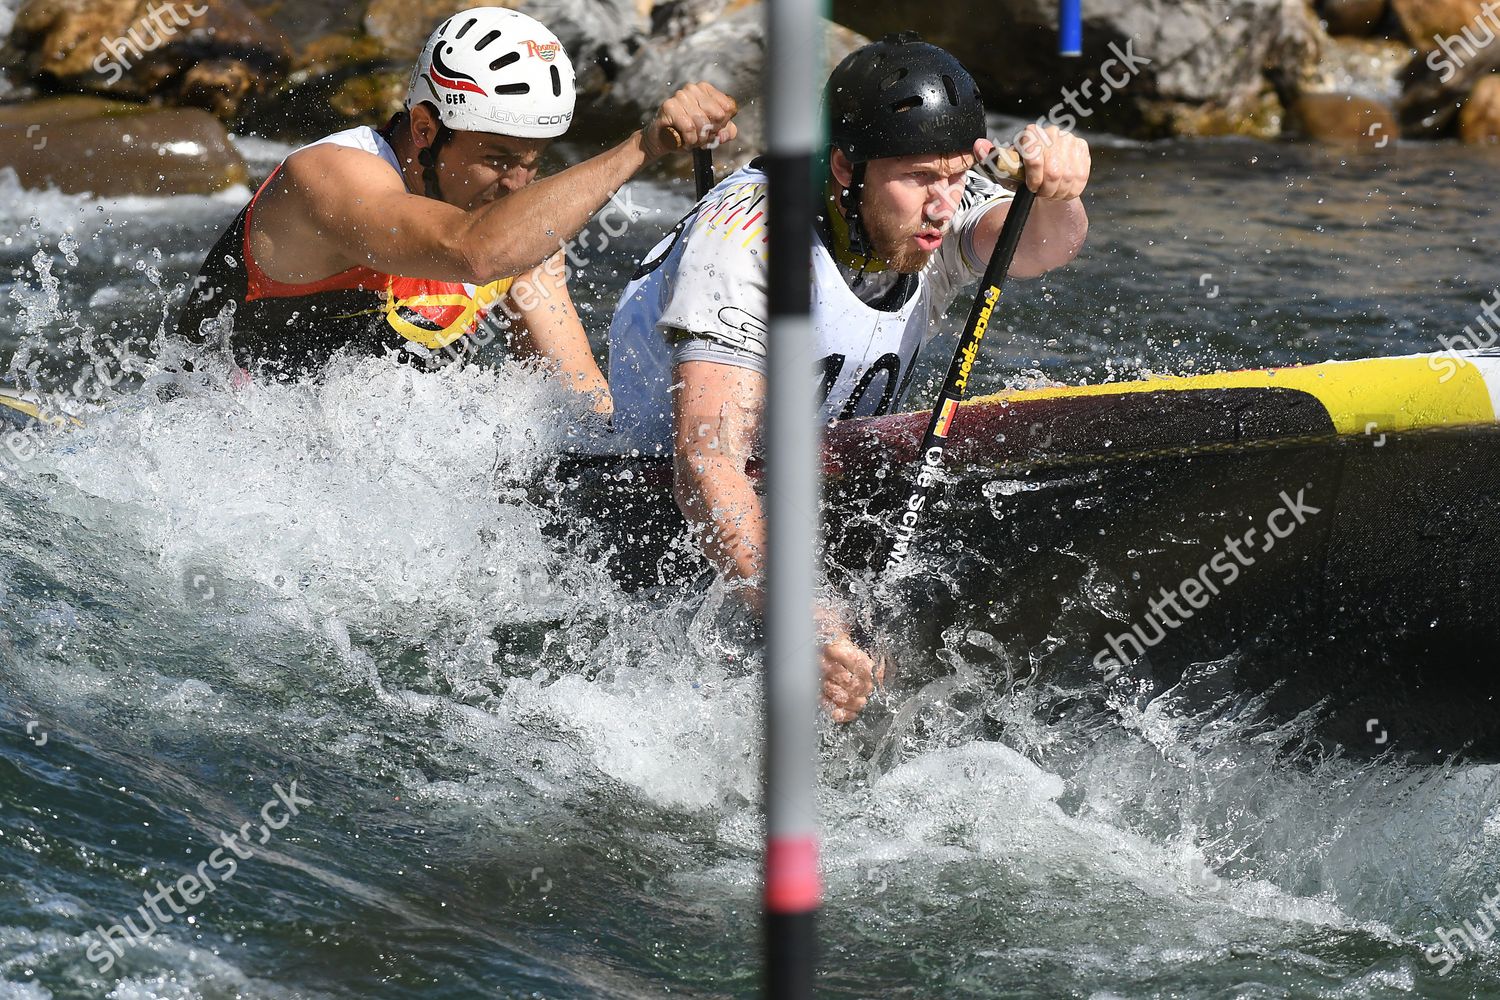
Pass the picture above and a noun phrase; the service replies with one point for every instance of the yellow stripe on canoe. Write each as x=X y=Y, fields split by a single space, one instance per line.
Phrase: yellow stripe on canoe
x=1409 y=393
x=21 y=404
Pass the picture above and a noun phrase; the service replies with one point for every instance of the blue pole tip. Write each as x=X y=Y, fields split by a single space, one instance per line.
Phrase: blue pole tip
x=1070 y=27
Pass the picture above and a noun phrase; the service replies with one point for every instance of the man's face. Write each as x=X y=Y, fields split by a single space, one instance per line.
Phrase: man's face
x=908 y=204
x=475 y=168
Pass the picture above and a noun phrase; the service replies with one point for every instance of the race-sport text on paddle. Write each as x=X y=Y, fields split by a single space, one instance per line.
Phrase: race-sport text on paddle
x=956 y=385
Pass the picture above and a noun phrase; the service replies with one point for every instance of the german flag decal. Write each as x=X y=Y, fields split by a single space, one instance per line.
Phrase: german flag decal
x=945 y=419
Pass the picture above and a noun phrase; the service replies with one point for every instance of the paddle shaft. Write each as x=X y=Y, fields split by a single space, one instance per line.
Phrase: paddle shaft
x=703 y=164
x=703 y=171
x=956 y=385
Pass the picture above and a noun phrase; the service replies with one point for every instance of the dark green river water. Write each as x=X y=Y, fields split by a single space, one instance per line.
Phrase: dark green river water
x=514 y=779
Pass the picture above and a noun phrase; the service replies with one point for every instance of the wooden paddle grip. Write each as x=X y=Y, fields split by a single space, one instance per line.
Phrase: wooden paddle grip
x=1006 y=164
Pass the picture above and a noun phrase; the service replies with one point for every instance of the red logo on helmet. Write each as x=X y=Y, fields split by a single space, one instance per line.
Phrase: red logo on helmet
x=444 y=76
x=546 y=51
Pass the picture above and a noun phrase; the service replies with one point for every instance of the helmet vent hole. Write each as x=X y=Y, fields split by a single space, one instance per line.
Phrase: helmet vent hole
x=951 y=88
x=512 y=88
x=467 y=25
x=901 y=107
x=486 y=40
x=505 y=61
x=556 y=82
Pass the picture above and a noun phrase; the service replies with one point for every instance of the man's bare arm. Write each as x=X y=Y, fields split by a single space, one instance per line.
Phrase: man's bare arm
x=716 y=418
x=339 y=208
x=1058 y=166
x=346 y=208
x=1054 y=235
x=546 y=327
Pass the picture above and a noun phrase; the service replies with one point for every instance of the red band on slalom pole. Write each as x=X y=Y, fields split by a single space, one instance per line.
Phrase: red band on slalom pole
x=792 y=881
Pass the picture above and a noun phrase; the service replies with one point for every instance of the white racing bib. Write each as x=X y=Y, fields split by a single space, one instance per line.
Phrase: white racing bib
x=708 y=278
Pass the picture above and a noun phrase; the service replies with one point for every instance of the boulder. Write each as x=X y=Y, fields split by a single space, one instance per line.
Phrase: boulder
x=1184 y=52
x=1367 y=67
x=1427 y=21
x=1297 y=51
x=1344 y=119
x=360 y=77
x=1437 y=83
x=1261 y=118
x=673 y=20
x=302 y=22
x=1348 y=96
x=62 y=39
x=109 y=148
x=401 y=27
x=601 y=36
x=370 y=98
x=339 y=82
x=1480 y=120
x=728 y=52
x=211 y=55
x=1353 y=17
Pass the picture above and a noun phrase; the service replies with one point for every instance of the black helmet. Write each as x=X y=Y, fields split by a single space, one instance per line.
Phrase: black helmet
x=902 y=96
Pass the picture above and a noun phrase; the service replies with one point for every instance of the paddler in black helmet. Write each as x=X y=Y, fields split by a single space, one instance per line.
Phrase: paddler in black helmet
x=397 y=240
x=909 y=222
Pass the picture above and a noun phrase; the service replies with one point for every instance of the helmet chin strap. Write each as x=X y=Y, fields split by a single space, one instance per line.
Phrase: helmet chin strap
x=850 y=199
x=428 y=158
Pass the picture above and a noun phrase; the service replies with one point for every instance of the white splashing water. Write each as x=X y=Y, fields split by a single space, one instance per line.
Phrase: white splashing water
x=391 y=504
x=381 y=508
x=86 y=217
x=385 y=505
x=8 y=11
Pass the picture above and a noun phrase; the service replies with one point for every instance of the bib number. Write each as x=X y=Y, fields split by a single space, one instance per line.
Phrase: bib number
x=891 y=388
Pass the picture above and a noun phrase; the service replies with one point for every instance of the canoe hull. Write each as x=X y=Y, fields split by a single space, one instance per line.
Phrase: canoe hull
x=1069 y=511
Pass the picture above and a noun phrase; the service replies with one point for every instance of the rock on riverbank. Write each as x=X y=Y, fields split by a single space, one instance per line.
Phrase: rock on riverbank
x=1347 y=71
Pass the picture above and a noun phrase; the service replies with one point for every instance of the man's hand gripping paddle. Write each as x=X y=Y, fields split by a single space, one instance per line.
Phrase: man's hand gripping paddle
x=703 y=164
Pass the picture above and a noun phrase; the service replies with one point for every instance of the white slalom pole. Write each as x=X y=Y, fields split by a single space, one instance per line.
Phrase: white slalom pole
x=793 y=888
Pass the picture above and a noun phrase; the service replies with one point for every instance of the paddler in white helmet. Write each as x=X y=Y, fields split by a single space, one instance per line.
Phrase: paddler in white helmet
x=397 y=239
x=909 y=221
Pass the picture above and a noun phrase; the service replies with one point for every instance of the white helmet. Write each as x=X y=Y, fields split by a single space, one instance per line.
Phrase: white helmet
x=490 y=69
